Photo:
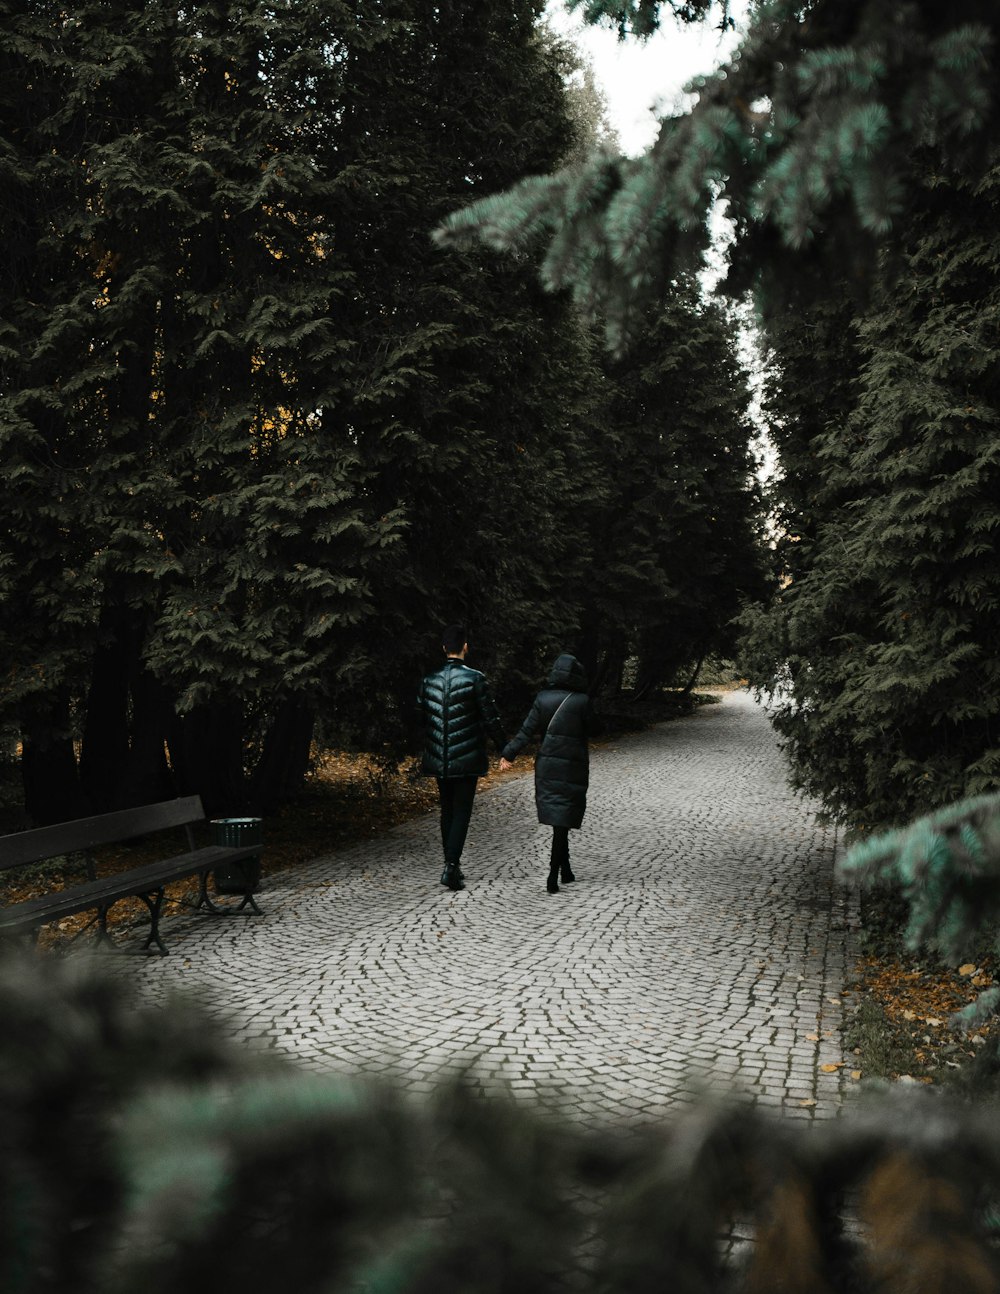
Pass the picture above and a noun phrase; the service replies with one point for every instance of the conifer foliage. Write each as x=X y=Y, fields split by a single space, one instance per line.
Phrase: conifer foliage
x=947 y=864
x=260 y=437
x=806 y=132
x=473 y=385
x=856 y=148
x=678 y=554
x=886 y=631
x=176 y=526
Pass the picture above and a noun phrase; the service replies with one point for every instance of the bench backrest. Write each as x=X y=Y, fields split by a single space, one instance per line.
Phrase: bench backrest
x=104 y=829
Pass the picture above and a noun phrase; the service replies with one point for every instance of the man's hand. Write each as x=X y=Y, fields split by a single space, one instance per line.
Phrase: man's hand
x=505 y=764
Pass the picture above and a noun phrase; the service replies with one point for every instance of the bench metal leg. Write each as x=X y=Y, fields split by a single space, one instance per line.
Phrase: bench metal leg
x=103 y=934
x=246 y=901
x=154 y=902
x=206 y=901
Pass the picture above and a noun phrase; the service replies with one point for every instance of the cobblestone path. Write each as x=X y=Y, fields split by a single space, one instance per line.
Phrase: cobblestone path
x=703 y=944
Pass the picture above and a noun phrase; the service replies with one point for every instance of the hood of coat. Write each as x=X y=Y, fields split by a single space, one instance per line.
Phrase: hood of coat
x=567 y=672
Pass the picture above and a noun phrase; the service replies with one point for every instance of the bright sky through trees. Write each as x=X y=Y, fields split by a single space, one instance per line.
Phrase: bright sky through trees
x=642 y=79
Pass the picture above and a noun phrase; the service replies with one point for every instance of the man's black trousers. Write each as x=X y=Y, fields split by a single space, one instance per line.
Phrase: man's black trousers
x=457 y=795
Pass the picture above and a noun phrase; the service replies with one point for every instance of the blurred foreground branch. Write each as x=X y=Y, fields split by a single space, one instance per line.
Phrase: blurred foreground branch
x=141 y=1152
x=947 y=867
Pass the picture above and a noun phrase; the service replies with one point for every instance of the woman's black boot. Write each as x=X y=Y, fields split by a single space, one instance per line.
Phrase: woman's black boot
x=552 y=884
x=453 y=877
x=559 y=858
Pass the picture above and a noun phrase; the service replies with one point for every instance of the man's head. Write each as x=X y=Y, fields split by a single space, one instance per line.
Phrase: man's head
x=454 y=640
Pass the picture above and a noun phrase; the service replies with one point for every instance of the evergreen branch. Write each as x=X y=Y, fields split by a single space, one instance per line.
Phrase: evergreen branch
x=977 y=1013
x=783 y=131
x=947 y=865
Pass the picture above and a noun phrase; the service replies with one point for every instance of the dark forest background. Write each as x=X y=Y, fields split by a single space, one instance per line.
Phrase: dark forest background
x=324 y=325
x=261 y=439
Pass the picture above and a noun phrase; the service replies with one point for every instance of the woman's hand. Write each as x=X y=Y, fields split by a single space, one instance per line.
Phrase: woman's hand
x=505 y=764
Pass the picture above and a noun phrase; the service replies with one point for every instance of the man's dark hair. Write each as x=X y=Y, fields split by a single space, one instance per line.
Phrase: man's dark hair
x=454 y=638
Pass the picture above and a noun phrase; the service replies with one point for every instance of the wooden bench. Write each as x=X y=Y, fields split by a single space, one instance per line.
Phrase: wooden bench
x=145 y=881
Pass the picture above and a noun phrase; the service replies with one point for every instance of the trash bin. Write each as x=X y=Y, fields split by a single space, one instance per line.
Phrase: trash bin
x=242 y=877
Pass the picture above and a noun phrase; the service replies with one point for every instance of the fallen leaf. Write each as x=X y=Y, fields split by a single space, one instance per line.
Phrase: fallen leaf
x=832 y=1069
x=808 y=1101
x=834 y=1001
x=812 y=1037
x=969 y=968
x=930 y=1019
x=855 y=1074
x=909 y=1015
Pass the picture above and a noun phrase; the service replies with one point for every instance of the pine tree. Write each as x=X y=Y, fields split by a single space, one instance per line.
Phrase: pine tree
x=642 y=17
x=475 y=384
x=809 y=391
x=179 y=524
x=261 y=437
x=890 y=620
x=807 y=133
x=677 y=555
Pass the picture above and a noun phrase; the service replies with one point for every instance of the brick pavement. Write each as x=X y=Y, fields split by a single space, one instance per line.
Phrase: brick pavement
x=703 y=944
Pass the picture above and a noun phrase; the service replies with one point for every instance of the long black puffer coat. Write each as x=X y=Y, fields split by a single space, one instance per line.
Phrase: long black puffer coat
x=560 y=715
x=458 y=713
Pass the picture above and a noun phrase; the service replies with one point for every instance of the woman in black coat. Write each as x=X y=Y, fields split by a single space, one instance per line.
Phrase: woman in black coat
x=560 y=716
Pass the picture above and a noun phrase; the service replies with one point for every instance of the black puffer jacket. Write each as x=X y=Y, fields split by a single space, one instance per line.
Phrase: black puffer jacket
x=458 y=713
x=560 y=715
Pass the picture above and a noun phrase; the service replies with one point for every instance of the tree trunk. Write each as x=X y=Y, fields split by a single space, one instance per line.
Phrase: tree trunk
x=588 y=653
x=689 y=685
x=658 y=661
x=49 y=773
x=284 y=760
x=609 y=672
x=206 y=752
x=123 y=761
x=649 y=678
x=148 y=778
x=104 y=750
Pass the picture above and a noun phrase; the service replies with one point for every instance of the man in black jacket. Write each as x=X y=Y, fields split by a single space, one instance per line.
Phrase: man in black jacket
x=458 y=712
